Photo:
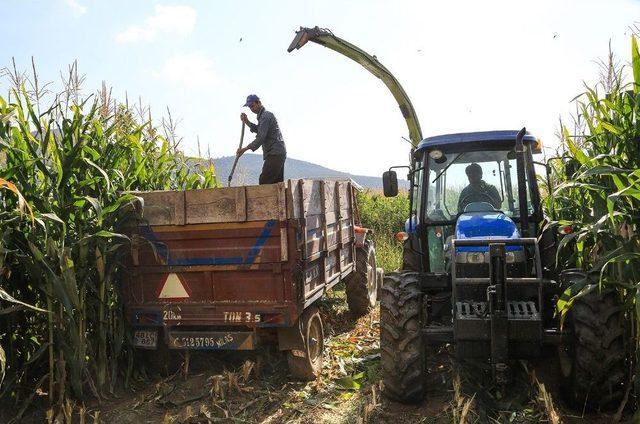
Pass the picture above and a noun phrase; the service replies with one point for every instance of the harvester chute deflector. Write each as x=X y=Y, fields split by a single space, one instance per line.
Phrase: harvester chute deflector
x=326 y=38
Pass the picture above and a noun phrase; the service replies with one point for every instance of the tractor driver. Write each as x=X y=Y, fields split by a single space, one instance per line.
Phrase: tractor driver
x=478 y=190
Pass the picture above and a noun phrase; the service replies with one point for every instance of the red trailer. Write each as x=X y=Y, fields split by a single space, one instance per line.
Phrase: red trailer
x=232 y=268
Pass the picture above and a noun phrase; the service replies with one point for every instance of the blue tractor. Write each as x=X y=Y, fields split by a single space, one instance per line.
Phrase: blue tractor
x=480 y=273
x=480 y=268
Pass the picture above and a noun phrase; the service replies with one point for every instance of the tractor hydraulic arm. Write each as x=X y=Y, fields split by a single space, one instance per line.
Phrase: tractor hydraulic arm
x=326 y=38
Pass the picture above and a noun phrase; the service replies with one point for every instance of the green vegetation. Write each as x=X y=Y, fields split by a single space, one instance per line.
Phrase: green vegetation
x=385 y=216
x=66 y=182
x=68 y=176
x=596 y=189
x=597 y=186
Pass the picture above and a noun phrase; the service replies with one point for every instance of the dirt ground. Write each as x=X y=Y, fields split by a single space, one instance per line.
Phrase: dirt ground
x=254 y=387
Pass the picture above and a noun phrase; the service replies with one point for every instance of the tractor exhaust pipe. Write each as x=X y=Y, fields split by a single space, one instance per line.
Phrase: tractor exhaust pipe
x=522 y=184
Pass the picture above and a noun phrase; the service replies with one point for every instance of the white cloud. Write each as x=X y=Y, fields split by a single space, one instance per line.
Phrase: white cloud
x=171 y=20
x=191 y=70
x=76 y=7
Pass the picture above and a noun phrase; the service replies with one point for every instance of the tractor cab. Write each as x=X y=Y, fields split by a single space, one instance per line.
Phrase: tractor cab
x=465 y=187
x=475 y=212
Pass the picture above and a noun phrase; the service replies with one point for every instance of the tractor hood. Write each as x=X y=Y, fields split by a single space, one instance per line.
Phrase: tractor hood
x=326 y=38
x=485 y=225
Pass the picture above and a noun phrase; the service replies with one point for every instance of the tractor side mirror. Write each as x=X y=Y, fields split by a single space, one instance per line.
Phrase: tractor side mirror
x=390 y=183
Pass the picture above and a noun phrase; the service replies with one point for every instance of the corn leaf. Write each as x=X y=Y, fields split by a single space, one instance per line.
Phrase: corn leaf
x=635 y=62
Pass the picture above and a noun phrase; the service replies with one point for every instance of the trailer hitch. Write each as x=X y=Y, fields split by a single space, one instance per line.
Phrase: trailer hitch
x=496 y=299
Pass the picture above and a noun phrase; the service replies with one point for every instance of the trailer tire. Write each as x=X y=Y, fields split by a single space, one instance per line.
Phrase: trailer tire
x=403 y=359
x=379 y=281
x=362 y=284
x=592 y=354
x=306 y=364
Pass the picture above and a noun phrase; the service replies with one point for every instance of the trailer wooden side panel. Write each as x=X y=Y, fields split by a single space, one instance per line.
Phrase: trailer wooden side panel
x=252 y=256
x=326 y=215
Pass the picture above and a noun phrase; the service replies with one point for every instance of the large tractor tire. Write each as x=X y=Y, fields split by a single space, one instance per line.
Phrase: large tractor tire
x=306 y=364
x=403 y=362
x=592 y=355
x=362 y=285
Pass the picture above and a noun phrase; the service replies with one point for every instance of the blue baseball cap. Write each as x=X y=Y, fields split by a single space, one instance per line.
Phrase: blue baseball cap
x=250 y=99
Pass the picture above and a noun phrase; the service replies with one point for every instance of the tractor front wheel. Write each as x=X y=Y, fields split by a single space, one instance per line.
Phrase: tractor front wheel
x=403 y=362
x=592 y=354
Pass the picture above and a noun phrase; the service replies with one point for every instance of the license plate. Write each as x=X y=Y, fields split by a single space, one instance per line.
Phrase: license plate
x=211 y=340
x=145 y=338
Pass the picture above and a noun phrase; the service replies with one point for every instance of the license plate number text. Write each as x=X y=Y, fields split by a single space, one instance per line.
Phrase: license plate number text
x=145 y=338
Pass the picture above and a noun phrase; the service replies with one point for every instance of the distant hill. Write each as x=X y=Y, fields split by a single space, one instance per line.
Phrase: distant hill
x=249 y=167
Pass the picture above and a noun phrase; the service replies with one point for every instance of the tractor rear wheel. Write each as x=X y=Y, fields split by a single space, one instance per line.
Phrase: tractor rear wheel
x=592 y=355
x=403 y=362
x=362 y=284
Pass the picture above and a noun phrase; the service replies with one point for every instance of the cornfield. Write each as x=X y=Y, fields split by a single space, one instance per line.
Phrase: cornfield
x=68 y=176
x=596 y=190
x=385 y=216
x=67 y=181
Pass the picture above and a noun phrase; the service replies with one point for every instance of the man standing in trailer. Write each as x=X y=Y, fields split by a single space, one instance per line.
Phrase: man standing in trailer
x=268 y=136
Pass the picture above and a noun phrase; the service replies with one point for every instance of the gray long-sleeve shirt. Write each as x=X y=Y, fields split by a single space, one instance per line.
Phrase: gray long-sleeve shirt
x=268 y=135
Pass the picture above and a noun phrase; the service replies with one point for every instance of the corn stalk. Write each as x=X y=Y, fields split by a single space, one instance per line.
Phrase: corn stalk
x=77 y=165
x=597 y=189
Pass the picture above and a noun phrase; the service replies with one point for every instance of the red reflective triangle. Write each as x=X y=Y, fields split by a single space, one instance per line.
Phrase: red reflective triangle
x=173 y=287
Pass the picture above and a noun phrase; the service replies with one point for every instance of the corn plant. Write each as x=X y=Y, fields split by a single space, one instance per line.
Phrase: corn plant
x=77 y=165
x=599 y=186
x=385 y=216
x=5 y=272
x=597 y=190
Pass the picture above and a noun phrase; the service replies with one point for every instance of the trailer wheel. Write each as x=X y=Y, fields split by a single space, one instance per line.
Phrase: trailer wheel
x=307 y=364
x=379 y=281
x=592 y=355
x=362 y=286
x=403 y=362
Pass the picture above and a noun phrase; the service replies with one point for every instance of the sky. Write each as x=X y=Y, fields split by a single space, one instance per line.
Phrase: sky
x=466 y=65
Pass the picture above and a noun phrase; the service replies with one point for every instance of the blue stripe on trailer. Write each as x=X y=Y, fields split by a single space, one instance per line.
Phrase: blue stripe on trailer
x=255 y=250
